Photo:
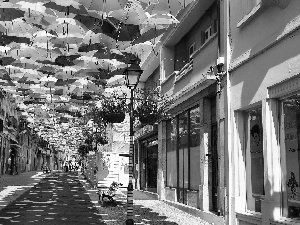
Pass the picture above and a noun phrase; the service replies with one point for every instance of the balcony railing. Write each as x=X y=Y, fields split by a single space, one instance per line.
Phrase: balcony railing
x=184 y=70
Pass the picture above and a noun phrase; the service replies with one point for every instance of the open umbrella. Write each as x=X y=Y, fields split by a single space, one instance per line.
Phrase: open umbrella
x=64 y=60
x=9 y=14
x=99 y=39
x=132 y=14
x=164 y=7
x=96 y=25
x=104 y=5
x=5 y=39
x=6 y=60
x=66 y=6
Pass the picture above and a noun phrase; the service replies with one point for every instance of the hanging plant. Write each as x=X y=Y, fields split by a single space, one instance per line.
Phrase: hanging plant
x=113 y=108
x=151 y=106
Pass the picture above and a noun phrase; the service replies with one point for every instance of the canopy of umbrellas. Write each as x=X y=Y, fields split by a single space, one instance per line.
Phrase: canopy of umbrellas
x=58 y=56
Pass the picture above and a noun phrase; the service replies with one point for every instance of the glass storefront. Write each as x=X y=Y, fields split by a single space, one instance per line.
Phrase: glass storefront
x=291 y=134
x=183 y=153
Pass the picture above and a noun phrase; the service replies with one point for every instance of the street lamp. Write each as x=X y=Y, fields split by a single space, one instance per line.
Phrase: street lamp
x=132 y=76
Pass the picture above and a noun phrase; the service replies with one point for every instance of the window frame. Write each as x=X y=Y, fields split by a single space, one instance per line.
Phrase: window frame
x=251 y=198
x=192 y=46
x=209 y=34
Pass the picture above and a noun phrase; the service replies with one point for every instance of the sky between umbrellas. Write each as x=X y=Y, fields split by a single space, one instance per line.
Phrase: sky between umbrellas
x=58 y=49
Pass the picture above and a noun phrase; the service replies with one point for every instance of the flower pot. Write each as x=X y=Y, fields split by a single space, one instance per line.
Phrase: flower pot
x=115 y=117
x=149 y=119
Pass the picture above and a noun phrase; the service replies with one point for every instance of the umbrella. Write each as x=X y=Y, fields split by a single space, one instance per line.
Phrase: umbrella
x=66 y=41
x=100 y=39
x=134 y=14
x=9 y=14
x=149 y=35
x=6 y=82
x=61 y=82
x=66 y=60
x=91 y=47
x=4 y=75
x=104 y=5
x=48 y=69
x=164 y=7
x=126 y=32
x=66 y=29
x=17 y=27
x=66 y=6
x=161 y=19
x=96 y=25
x=5 y=39
x=6 y=61
x=117 y=80
x=137 y=52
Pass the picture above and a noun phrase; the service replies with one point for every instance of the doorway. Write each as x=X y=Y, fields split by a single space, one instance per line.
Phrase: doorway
x=214 y=161
x=214 y=156
x=148 y=159
x=151 y=167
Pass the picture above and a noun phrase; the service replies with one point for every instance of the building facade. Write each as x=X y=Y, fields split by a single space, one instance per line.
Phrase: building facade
x=264 y=108
x=189 y=147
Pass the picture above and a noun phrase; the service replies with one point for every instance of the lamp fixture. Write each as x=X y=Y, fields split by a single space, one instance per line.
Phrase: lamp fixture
x=132 y=74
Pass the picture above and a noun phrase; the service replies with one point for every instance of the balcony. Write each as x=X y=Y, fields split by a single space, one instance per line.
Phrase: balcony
x=190 y=90
x=186 y=69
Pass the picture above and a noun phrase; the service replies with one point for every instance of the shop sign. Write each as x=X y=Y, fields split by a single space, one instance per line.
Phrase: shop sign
x=145 y=130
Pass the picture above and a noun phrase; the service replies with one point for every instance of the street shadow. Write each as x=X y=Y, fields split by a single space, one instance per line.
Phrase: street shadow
x=58 y=199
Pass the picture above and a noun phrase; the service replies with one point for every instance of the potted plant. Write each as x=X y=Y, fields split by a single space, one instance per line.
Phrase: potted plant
x=151 y=106
x=113 y=108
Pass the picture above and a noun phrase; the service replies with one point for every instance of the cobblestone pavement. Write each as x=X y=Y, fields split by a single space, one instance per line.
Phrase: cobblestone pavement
x=147 y=210
x=57 y=199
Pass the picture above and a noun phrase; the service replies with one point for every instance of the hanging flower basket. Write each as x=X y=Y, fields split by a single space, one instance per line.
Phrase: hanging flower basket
x=115 y=117
x=148 y=119
x=151 y=107
x=113 y=108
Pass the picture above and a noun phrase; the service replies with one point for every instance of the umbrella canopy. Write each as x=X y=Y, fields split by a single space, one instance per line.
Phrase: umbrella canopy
x=104 y=5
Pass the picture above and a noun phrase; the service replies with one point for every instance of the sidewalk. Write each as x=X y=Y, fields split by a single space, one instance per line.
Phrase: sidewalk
x=147 y=210
x=12 y=186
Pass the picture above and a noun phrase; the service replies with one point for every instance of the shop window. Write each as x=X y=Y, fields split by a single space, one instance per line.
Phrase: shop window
x=291 y=134
x=171 y=153
x=254 y=159
x=195 y=149
x=183 y=153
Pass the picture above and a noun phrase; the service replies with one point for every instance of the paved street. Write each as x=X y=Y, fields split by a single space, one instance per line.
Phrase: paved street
x=67 y=198
x=59 y=198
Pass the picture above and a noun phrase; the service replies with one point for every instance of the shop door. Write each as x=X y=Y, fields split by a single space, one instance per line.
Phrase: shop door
x=214 y=161
x=152 y=166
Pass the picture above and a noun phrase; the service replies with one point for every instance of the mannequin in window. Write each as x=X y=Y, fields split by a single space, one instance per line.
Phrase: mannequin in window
x=293 y=184
x=255 y=133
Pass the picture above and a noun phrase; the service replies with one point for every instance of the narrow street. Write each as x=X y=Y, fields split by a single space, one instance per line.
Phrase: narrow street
x=59 y=198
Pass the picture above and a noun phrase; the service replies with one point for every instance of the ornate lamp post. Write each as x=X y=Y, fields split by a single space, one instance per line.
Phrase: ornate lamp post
x=132 y=76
